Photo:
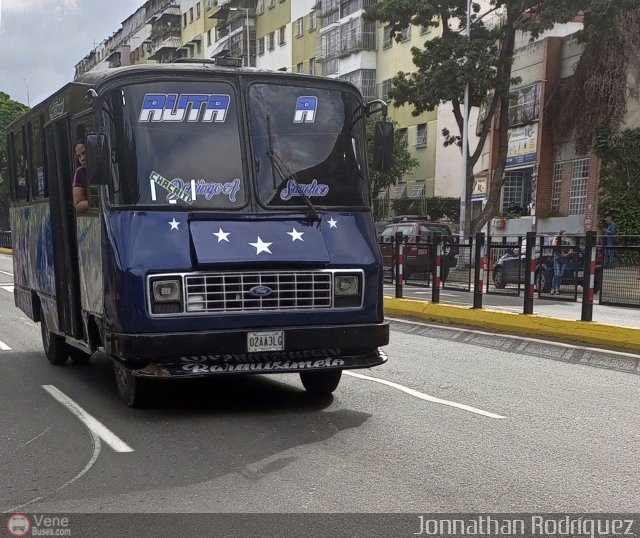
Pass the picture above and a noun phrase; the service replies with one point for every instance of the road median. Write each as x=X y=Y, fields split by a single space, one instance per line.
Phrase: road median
x=587 y=332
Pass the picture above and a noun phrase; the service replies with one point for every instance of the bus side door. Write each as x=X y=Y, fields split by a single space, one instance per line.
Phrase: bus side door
x=58 y=147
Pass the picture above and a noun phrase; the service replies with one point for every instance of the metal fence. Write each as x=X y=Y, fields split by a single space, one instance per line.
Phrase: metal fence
x=5 y=239
x=620 y=259
x=576 y=270
x=505 y=265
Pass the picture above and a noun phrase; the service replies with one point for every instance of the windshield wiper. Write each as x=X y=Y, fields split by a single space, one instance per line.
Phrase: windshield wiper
x=288 y=175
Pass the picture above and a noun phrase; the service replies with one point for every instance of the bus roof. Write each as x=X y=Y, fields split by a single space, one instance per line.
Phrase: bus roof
x=95 y=79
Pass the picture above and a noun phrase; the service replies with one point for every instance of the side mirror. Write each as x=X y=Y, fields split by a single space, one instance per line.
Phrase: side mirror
x=383 y=146
x=97 y=159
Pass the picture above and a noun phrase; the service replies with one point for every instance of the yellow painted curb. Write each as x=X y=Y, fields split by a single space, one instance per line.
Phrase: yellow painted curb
x=588 y=332
x=6 y=251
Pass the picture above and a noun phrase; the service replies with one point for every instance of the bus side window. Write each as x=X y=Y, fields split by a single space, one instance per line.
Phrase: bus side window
x=38 y=185
x=81 y=130
x=21 y=187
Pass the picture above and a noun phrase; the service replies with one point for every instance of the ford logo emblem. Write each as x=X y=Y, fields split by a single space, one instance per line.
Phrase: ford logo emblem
x=260 y=291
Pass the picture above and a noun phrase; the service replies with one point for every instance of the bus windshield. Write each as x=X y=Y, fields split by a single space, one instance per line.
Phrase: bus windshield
x=175 y=143
x=307 y=140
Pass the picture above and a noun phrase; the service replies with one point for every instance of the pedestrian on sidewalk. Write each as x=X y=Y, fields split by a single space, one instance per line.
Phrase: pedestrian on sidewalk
x=560 y=257
x=610 y=232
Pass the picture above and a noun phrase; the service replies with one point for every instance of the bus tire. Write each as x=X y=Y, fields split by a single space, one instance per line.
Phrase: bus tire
x=54 y=347
x=321 y=383
x=133 y=389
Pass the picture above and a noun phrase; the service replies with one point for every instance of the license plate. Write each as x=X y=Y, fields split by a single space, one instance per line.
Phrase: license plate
x=580 y=274
x=265 y=341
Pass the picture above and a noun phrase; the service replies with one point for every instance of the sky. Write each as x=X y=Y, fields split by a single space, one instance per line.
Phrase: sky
x=42 y=41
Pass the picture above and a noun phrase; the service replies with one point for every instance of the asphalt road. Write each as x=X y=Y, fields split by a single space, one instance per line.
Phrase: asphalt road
x=456 y=421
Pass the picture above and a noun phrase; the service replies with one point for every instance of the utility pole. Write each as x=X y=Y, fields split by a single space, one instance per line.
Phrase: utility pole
x=465 y=139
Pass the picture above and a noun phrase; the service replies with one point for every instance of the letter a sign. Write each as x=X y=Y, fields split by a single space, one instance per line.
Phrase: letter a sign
x=306 y=110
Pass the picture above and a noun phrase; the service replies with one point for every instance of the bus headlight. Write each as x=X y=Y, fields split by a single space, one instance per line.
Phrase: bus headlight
x=166 y=291
x=346 y=285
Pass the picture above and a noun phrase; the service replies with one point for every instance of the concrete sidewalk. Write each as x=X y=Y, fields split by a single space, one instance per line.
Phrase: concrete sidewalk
x=542 y=324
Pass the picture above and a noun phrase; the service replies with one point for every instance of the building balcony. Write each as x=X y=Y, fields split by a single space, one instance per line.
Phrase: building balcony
x=160 y=46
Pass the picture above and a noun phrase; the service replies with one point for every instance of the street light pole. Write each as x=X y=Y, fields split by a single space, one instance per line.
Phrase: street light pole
x=26 y=83
x=246 y=12
x=465 y=139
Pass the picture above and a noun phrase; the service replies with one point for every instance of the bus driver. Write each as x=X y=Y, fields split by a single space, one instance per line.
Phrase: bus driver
x=81 y=179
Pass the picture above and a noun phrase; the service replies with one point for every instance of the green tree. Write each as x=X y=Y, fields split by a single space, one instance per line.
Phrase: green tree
x=9 y=111
x=448 y=63
x=403 y=162
x=620 y=178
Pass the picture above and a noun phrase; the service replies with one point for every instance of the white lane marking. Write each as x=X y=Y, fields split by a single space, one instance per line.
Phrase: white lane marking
x=4 y=347
x=8 y=288
x=39 y=435
x=97 y=446
x=426 y=397
x=6 y=272
x=89 y=421
x=515 y=337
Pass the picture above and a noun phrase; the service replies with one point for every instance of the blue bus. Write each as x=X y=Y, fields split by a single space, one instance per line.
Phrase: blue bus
x=194 y=219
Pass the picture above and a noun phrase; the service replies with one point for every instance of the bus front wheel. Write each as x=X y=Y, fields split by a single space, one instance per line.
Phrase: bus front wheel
x=321 y=383
x=54 y=346
x=133 y=390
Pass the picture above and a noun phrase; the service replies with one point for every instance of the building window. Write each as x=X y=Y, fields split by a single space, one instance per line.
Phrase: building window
x=418 y=189
x=421 y=135
x=190 y=15
x=557 y=186
x=313 y=21
x=524 y=105
x=386 y=38
x=282 y=36
x=517 y=188
x=405 y=35
x=271 y=4
x=312 y=66
x=403 y=136
x=385 y=88
x=425 y=29
x=260 y=7
x=299 y=27
x=364 y=79
x=579 y=181
x=300 y=67
x=261 y=46
x=198 y=47
x=198 y=10
x=399 y=190
x=184 y=19
x=271 y=41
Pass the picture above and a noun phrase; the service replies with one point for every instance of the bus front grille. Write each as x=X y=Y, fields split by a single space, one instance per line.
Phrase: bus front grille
x=258 y=291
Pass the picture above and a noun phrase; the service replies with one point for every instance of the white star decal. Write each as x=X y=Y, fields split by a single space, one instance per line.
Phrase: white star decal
x=222 y=236
x=296 y=235
x=174 y=224
x=333 y=223
x=261 y=246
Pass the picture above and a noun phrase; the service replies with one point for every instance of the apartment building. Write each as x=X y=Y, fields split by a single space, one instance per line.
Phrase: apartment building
x=320 y=37
x=421 y=132
x=556 y=187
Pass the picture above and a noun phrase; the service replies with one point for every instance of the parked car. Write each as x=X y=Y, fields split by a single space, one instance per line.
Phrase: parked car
x=511 y=268
x=416 y=232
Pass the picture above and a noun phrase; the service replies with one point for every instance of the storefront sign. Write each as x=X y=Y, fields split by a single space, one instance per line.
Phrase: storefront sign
x=479 y=189
x=523 y=145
